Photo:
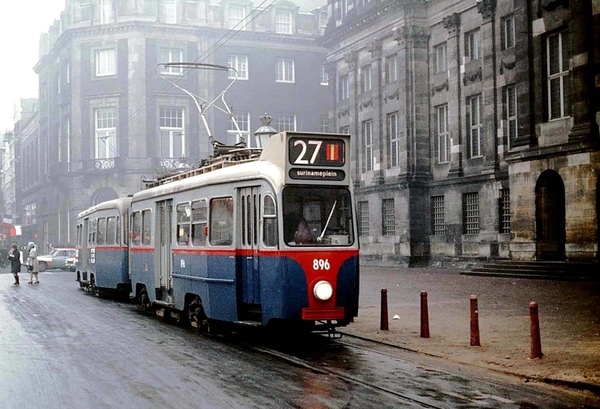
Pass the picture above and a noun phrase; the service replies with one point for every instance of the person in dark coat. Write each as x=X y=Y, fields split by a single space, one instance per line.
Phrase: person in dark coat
x=14 y=255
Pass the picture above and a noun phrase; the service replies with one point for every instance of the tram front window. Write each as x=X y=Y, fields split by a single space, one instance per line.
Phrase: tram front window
x=317 y=216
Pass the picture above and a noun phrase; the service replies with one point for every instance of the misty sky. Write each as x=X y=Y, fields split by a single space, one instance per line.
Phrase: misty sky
x=21 y=23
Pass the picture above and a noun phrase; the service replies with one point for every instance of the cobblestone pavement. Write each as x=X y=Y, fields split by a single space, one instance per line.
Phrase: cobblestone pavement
x=569 y=320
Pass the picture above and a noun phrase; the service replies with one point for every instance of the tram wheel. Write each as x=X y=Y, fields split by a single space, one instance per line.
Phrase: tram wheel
x=143 y=301
x=197 y=315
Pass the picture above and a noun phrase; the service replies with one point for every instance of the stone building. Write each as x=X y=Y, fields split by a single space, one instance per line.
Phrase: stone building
x=107 y=120
x=476 y=126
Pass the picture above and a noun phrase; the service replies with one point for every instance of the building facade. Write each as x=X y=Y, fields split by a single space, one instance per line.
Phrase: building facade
x=107 y=118
x=475 y=123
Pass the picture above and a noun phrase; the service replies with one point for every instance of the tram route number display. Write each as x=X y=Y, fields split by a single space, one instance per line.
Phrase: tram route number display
x=316 y=152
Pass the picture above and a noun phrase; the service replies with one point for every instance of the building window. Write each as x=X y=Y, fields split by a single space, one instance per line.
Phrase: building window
x=363 y=218
x=389 y=217
x=510 y=103
x=391 y=69
x=345 y=130
x=285 y=70
x=473 y=45
x=343 y=88
x=438 y=224
x=441 y=58
x=508 y=32
x=471 y=213
x=283 y=22
x=171 y=131
x=365 y=79
x=171 y=55
x=170 y=12
x=504 y=211
x=240 y=64
x=285 y=122
x=243 y=122
x=324 y=75
x=443 y=136
x=106 y=11
x=367 y=137
x=394 y=138
x=324 y=123
x=105 y=62
x=237 y=15
x=557 y=67
x=475 y=125
x=106 y=133
x=191 y=10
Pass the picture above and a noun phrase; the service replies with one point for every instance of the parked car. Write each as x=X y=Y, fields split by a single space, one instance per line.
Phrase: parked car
x=57 y=259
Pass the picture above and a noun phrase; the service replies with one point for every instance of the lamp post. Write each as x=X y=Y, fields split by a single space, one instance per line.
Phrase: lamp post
x=262 y=134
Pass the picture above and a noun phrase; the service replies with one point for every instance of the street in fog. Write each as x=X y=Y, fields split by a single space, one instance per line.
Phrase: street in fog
x=63 y=348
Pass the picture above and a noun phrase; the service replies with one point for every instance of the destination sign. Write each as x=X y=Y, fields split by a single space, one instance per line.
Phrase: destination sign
x=317 y=174
x=306 y=151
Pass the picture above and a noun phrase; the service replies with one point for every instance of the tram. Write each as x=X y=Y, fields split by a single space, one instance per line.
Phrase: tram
x=102 y=243
x=256 y=236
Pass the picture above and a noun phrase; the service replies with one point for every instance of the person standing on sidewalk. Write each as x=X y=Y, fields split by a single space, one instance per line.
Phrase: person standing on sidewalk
x=14 y=255
x=32 y=263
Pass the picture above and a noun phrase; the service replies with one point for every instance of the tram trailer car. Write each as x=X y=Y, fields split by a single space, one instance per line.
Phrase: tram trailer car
x=102 y=242
x=224 y=245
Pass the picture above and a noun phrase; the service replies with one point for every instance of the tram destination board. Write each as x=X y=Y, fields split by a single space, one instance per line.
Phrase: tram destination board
x=317 y=157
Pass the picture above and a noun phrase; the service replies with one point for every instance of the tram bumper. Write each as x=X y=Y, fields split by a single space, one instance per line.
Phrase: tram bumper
x=313 y=314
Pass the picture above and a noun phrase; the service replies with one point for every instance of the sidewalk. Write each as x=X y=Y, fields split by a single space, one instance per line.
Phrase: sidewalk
x=569 y=317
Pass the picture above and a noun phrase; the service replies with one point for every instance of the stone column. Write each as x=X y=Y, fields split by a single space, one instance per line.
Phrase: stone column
x=452 y=23
x=583 y=87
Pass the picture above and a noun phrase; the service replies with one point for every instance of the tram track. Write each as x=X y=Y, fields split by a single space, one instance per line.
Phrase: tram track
x=425 y=381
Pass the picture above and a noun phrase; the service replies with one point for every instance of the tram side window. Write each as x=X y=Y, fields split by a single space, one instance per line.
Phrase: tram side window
x=199 y=220
x=110 y=230
x=269 y=222
x=184 y=213
x=79 y=233
x=118 y=231
x=125 y=229
x=221 y=221
x=136 y=237
x=101 y=233
x=92 y=232
x=146 y=227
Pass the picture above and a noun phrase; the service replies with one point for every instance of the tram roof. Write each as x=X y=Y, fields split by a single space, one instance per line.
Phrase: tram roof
x=121 y=204
x=259 y=169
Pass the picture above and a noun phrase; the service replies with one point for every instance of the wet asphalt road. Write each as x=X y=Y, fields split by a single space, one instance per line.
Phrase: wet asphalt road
x=63 y=348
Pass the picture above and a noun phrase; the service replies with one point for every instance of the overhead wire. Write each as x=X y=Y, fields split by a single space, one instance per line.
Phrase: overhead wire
x=255 y=13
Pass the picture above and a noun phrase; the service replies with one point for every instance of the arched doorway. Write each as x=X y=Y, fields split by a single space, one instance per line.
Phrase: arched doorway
x=550 y=216
x=104 y=194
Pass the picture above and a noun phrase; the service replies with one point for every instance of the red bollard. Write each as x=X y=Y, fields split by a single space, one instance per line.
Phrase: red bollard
x=384 y=311
x=424 y=316
x=474 y=322
x=536 y=343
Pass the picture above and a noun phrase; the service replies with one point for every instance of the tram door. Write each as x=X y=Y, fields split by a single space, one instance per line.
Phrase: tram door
x=83 y=252
x=163 y=260
x=249 y=276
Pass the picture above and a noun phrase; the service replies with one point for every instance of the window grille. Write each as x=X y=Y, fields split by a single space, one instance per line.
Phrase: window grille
x=471 y=213
x=389 y=217
x=505 y=211
x=437 y=216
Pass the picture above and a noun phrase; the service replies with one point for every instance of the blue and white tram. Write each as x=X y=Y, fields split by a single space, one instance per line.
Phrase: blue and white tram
x=224 y=244
x=102 y=243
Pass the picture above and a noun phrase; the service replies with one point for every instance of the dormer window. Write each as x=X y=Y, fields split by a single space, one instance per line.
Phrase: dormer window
x=283 y=22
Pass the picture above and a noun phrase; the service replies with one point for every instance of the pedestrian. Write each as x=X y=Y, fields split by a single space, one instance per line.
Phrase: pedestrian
x=32 y=263
x=14 y=255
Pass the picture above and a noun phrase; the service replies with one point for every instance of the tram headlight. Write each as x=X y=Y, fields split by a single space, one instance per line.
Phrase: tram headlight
x=323 y=290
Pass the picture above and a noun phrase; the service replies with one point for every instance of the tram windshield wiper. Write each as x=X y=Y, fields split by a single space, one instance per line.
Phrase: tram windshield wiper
x=320 y=238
